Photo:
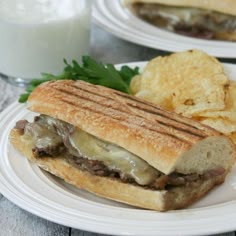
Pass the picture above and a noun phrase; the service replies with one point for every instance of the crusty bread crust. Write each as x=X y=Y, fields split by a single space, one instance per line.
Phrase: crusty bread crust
x=157 y=136
x=224 y=6
x=176 y=198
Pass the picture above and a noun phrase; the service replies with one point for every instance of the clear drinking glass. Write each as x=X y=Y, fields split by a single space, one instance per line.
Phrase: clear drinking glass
x=36 y=35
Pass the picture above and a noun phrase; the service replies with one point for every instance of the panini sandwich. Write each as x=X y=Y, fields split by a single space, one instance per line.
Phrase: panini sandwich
x=120 y=147
x=212 y=19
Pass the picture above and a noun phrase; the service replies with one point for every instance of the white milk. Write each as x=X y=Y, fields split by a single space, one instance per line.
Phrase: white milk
x=35 y=35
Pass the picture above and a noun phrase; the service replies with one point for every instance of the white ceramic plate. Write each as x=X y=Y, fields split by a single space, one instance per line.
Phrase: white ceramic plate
x=49 y=197
x=114 y=18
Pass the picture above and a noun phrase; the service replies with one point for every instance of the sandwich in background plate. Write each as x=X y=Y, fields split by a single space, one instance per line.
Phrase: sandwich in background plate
x=212 y=19
x=121 y=147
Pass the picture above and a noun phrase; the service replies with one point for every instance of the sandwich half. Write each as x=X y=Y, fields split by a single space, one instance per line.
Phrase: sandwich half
x=211 y=19
x=120 y=147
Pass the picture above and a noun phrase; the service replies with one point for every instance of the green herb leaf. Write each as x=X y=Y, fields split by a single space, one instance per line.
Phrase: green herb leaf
x=23 y=97
x=90 y=71
x=127 y=73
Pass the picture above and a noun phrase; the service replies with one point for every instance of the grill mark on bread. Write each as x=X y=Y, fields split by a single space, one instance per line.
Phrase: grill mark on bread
x=189 y=129
x=127 y=123
x=160 y=111
x=184 y=130
x=91 y=92
x=162 y=128
x=162 y=125
x=173 y=123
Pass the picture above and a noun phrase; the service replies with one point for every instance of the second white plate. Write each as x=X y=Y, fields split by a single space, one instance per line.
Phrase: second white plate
x=113 y=17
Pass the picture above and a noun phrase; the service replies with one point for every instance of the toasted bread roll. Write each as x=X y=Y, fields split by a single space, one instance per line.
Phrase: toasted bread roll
x=121 y=147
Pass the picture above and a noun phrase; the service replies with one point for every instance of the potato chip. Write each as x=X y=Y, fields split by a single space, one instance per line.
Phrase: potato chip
x=223 y=125
x=187 y=82
x=135 y=84
x=230 y=109
x=233 y=137
x=135 y=87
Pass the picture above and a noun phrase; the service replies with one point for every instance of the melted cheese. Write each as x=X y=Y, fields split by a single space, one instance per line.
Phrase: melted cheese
x=40 y=136
x=47 y=131
x=114 y=157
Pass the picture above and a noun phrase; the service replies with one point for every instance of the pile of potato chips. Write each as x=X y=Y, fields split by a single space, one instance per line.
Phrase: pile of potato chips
x=193 y=84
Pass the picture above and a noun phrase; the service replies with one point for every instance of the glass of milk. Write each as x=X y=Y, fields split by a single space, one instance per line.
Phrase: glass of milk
x=36 y=35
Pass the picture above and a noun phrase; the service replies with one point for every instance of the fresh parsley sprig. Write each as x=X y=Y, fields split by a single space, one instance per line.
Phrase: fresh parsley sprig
x=90 y=71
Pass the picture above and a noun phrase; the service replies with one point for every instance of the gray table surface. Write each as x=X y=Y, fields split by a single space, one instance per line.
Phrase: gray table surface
x=106 y=48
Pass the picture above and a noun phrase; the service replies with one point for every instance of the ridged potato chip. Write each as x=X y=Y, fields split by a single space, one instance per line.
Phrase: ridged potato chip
x=187 y=82
x=135 y=85
x=233 y=137
x=223 y=125
x=229 y=111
